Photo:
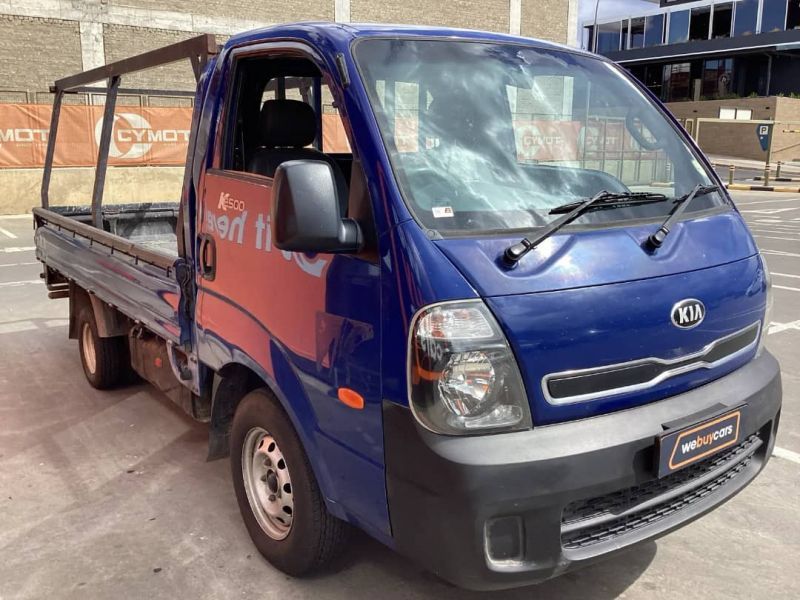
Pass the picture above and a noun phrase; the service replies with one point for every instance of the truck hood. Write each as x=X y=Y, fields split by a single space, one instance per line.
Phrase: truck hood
x=588 y=314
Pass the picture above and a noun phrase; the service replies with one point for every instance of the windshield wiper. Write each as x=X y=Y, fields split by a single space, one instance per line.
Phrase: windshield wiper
x=573 y=210
x=658 y=237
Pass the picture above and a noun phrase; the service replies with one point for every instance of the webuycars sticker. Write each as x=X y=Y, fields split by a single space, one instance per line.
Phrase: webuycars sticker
x=681 y=448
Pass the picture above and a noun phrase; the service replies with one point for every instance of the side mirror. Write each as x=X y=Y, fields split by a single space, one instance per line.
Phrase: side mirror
x=306 y=213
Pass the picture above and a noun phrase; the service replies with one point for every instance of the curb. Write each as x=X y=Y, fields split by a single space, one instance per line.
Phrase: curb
x=779 y=179
x=762 y=188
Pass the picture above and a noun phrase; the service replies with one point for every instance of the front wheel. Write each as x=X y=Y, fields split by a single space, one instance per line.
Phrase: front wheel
x=278 y=495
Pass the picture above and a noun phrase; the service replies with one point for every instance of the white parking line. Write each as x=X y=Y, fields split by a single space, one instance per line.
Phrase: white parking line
x=761 y=230
x=11 y=249
x=786 y=455
x=778 y=327
x=780 y=253
x=767 y=201
x=772 y=237
x=23 y=264
x=770 y=211
x=33 y=282
x=786 y=287
x=6 y=232
x=786 y=275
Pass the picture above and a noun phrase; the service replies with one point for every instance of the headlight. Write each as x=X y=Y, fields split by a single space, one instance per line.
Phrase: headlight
x=462 y=376
x=768 y=312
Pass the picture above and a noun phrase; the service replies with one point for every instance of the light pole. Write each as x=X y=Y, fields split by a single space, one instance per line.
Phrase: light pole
x=594 y=27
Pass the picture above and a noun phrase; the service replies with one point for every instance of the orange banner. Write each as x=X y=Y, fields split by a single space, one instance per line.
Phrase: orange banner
x=140 y=136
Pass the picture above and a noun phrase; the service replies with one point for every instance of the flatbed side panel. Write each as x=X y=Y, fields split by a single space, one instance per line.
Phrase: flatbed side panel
x=142 y=291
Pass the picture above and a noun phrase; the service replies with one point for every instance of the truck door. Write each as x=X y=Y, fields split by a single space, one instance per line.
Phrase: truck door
x=309 y=325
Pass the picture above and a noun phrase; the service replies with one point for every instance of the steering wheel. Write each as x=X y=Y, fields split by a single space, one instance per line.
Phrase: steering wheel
x=633 y=122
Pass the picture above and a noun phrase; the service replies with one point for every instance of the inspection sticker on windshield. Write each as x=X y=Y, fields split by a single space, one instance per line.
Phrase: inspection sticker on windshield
x=440 y=212
x=683 y=447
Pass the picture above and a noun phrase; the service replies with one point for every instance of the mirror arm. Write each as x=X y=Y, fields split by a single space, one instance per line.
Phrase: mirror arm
x=350 y=236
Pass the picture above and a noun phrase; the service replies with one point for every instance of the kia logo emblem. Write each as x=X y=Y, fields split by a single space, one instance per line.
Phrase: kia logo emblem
x=688 y=313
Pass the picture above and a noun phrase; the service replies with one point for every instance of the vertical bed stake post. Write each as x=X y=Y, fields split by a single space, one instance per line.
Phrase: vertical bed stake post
x=51 y=147
x=102 y=151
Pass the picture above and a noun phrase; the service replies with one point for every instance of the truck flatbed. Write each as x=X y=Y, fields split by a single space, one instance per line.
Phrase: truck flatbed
x=130 y=266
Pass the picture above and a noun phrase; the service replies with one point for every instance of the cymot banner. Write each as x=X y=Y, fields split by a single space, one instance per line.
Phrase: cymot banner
x=153 y=136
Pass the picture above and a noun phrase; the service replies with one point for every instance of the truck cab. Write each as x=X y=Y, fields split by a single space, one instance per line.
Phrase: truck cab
x=475 y=294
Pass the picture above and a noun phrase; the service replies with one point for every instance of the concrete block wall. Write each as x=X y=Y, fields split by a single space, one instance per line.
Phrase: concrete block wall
x=740 y=140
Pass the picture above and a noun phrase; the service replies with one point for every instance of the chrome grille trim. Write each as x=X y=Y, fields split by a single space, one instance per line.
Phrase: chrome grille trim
x=679 y=369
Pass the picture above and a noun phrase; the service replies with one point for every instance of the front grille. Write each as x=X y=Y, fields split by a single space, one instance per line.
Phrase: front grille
x=641 y=374
x=585 y=523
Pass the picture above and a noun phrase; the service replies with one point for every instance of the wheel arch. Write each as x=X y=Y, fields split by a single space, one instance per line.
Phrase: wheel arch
x=234 y=380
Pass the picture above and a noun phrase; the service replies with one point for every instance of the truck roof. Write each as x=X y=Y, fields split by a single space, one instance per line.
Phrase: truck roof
x=342 y=34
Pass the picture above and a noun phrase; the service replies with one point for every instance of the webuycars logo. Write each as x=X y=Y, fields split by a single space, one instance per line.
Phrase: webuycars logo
x=705 y=439
x=132 y=136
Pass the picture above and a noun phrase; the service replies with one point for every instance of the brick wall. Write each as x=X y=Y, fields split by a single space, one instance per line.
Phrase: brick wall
x=122 y=41
x=740 y=140
x=252 y=10
x=491 y=15
x=37 y=50
x=545 y=19
x=27 y=65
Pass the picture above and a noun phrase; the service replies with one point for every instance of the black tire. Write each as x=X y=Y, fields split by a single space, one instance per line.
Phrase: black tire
x=315 y=536
x=110 y=364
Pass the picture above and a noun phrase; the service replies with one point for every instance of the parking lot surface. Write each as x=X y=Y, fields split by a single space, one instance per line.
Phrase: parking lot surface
x=108 y=495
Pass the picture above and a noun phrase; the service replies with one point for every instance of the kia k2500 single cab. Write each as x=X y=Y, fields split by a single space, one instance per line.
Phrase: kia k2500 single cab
x=508 y=322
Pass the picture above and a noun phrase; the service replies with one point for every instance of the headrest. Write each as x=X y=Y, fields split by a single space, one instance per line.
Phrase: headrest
x=287 y=123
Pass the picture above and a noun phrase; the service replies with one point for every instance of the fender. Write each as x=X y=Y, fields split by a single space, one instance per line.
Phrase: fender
x=242 y=375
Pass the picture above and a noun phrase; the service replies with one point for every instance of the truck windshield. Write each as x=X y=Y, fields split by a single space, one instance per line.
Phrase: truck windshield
x=487 y=137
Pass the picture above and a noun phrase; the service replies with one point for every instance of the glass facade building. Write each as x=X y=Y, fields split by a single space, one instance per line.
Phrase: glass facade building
x=707 y=50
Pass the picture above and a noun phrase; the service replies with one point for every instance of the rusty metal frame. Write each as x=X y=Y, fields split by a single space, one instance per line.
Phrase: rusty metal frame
x=197 y=50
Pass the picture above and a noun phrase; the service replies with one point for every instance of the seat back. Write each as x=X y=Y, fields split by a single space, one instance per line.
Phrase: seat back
x=286 y=129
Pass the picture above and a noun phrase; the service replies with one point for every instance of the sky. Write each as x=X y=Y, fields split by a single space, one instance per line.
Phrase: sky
x=612 y=8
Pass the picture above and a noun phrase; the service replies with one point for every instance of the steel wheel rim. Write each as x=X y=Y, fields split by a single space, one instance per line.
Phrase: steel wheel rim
x=87 y=340
x=267 y=483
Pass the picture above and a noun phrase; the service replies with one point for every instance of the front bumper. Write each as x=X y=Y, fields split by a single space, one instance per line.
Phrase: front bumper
x=499 y=511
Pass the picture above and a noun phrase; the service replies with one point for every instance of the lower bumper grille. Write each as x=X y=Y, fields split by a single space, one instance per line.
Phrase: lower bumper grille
x=592 y=521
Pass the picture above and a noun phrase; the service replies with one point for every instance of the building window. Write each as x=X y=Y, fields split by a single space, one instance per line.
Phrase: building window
x=745 y=18
x=717 y=78
x=637 y=32
x=700 y=23
x=723 y=19
x=608 y=35
x=654 y=30
x=736 y=114
x=793 y=15
x=677 y=82
x=679 y=26
x=773 y=15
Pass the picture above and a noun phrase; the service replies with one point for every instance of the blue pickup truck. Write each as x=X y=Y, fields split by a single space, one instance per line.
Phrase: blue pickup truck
x=508 y=324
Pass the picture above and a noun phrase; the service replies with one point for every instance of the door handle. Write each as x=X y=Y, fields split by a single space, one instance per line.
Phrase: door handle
x=208 y=257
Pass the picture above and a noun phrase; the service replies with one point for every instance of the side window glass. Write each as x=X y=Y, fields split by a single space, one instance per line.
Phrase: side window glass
x=334 y=136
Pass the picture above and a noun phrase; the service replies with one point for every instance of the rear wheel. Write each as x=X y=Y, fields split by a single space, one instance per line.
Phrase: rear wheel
x=104 y=360
x=278 y=496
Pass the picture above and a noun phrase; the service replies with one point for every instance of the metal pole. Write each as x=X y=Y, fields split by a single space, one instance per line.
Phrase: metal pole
x=778 y=170
x=102 y=151
x=731 y=174
x=766 y=174
x=594 y=27
x=51 y=148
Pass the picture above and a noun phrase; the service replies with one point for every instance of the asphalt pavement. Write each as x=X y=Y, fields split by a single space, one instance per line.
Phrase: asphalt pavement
x=108 y=495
